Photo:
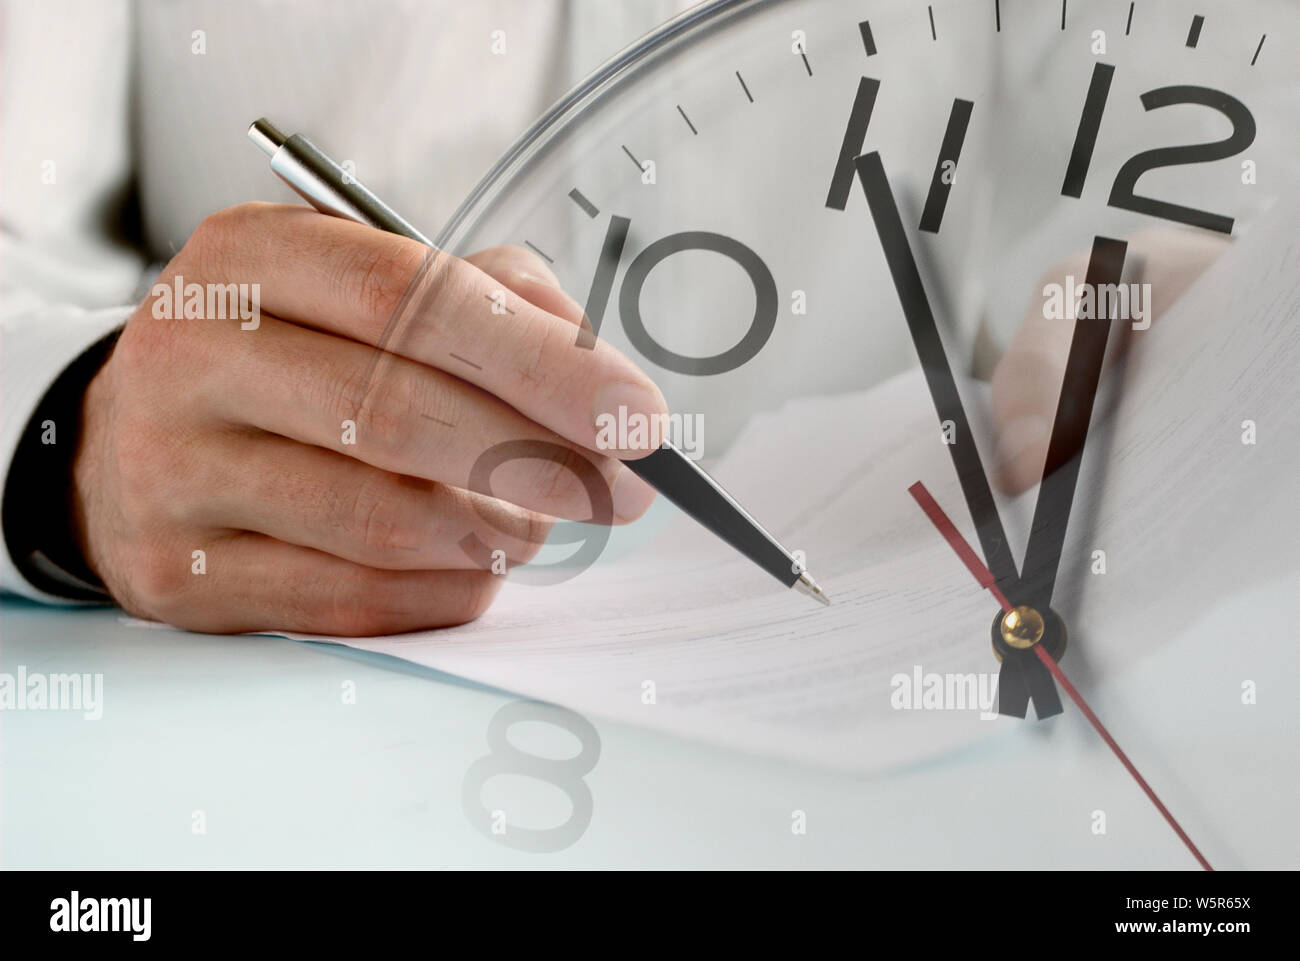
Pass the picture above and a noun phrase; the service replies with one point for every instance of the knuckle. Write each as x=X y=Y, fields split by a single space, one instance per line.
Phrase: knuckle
x=374 y=521
x=377 y=277
x=517 y=530
x=159 y=579
x=451 y=286
x=542 y=367
x=350 y=610
x=159 y=479
x=144 y=349
x=370 y=604
x=208 y=247
x=361 y=606
x=399 y=414
x=556 y=479
x=376 y=405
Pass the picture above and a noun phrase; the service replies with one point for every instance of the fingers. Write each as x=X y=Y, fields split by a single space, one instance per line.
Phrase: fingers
x=316 y=498
x=349 y=280
x=525 y=273
x=255 y=583
x=406 y=418
x=520 y=270
x=295 y=475
x=1026 y=384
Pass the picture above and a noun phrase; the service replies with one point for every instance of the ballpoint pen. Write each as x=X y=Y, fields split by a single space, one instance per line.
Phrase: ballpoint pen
x=327 y=187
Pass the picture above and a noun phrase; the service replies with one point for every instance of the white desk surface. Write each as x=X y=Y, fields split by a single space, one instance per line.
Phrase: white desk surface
x=253 y=732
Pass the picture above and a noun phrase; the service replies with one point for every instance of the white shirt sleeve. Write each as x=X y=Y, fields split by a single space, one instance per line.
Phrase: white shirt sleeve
x=65 y=161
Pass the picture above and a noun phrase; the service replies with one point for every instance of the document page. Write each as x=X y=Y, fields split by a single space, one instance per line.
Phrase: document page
x=687 y=637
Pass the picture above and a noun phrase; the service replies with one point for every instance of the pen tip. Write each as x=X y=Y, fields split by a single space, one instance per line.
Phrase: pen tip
x=806 y=585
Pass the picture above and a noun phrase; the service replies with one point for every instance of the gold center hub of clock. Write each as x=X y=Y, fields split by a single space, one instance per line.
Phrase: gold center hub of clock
x=1022 y=627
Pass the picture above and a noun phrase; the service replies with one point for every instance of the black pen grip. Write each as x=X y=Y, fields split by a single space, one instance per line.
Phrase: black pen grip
x=676 y=476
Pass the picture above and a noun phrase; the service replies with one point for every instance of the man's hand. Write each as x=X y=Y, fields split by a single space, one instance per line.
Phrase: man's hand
x=1027 y=380
x=200 y=435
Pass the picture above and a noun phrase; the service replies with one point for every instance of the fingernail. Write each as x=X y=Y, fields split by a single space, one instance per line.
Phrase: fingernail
x=626 y=417
x=555 y=299
x=547 y=281
x=632 y=496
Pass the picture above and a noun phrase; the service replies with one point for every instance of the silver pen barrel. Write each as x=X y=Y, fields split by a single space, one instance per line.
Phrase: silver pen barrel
x=324 y=184
x=332 y=190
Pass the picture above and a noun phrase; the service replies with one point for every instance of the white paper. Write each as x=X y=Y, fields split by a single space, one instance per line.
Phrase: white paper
x=1186 y=513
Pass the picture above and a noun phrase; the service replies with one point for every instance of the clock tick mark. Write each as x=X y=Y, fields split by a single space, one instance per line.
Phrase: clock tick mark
x=1129 y=23
x=465 y=360
x=933 y=35
x=868 y=42
x=1194 y=34
x=688 y=120
x=630 y=157
x=806 y=65
x=997 y=15
x=494 y=300
x=744 y=87
x=588 y=208
x=541 y=253
x=1257 y=50
x=1062 y=14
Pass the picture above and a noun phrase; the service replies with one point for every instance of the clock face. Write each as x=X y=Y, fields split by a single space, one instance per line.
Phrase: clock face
x=938 y=254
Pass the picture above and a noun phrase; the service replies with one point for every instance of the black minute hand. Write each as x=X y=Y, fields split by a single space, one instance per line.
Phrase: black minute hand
x=938 y=373
x=1070 y=429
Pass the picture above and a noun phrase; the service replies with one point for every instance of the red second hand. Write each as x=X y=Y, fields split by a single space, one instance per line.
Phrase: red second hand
x=985 y=578
x=1123 y=758
x=953 y=536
